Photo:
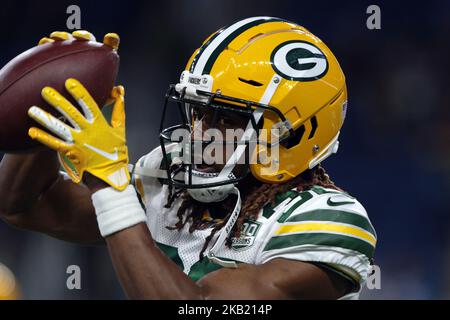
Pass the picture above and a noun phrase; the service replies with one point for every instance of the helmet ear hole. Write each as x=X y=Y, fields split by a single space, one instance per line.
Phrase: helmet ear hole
x=251 y=82
x=295 y=139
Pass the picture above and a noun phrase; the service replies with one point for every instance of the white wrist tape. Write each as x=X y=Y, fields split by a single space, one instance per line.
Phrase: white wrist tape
x=117 y=210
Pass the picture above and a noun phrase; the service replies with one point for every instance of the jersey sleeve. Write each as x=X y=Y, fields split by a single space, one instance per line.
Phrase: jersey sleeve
x=328 y=228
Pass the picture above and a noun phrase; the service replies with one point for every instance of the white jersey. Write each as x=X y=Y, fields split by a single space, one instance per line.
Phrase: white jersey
x=318 y=225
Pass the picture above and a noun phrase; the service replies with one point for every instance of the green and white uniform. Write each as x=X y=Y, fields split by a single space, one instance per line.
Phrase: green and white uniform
x=319 y=225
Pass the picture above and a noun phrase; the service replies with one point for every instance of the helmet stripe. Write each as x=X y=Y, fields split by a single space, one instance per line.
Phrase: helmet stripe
x=208 y=53
x=202 y=48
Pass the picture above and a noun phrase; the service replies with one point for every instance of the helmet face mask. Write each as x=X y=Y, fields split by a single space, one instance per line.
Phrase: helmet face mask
x=185 y=146
x=272 y=80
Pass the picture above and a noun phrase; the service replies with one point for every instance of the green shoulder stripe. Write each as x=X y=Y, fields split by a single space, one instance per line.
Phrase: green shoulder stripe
x=268 y=209
x=320 y=239
x=335 y=216
x=321 y=190
x=304 y=196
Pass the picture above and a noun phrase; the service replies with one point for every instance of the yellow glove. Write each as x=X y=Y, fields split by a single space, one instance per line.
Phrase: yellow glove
x=90 y=144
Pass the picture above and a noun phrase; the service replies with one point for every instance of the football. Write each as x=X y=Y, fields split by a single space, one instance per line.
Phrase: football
x=94 y=64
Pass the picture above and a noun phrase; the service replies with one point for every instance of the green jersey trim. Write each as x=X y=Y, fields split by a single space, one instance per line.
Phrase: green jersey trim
x=335 y=216
x=172 y=253
x=320 y=239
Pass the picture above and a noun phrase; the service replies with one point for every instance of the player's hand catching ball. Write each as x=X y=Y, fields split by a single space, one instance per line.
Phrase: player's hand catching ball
x=90 y=144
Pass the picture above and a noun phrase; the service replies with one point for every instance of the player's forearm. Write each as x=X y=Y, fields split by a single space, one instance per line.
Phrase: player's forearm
x=144 y=271
x=24 y=177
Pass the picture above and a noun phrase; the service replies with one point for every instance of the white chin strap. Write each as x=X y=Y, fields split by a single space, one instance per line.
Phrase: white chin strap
x=224 y=232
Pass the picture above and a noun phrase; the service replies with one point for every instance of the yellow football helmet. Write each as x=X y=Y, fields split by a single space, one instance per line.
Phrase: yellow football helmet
x=284 y=77
x=9 y=289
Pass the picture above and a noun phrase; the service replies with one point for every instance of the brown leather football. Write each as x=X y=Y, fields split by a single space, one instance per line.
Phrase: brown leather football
x=94 y=64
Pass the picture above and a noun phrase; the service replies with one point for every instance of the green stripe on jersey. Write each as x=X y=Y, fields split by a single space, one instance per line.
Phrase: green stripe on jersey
x=305 y=196
x=268 y=209
x=335 y=216
x=322 y=190
x=172 y=253
x=320 y=239
x=198 y=269
x=203 y=267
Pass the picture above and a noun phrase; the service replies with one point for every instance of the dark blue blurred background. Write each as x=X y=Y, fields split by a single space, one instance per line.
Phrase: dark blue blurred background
x=394 y=155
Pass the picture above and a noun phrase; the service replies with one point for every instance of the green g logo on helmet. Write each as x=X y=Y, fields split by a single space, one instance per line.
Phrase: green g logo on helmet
x=299 y=61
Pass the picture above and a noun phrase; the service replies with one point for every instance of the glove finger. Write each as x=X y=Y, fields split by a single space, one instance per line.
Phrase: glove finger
x=45 y=40
x=84 y=99
x=61 y=36
x=118 y=112
x=53 y=124
x=83 y=35
x=48 y=140
x=112 y=40
x=115 y=93
x=54 y=98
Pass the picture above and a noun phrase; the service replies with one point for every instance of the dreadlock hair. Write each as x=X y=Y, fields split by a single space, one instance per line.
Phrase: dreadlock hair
x=255 y=196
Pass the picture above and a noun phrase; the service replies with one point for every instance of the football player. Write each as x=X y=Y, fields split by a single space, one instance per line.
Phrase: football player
x=206 y=215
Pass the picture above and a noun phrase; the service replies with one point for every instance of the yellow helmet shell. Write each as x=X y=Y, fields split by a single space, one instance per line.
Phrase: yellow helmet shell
x=243 y=58
x=8 y=285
